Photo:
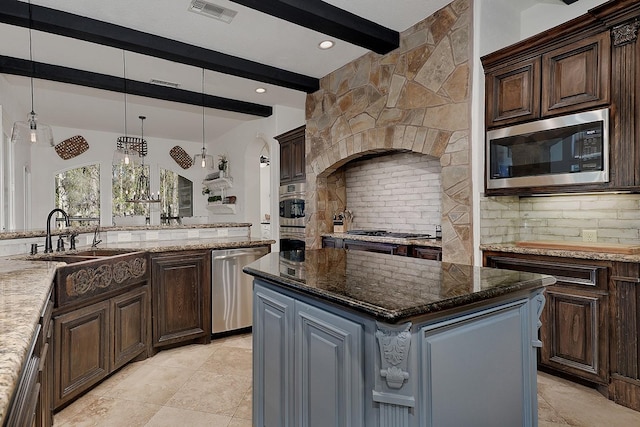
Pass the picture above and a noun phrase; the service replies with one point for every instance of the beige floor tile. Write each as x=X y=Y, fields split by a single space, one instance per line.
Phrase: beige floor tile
x=172 y=417
x=209 y=392
x=189 y=357
x=548 y=414
x=150 y=384
x=582 y=406
x=108 y=412
x=239 y=422
x=239 y=341
x=244 y=410
x=229 y=361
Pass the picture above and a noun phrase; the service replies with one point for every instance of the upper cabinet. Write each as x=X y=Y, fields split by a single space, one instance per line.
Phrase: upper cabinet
x=586 y=64
x=561 y=80
x=292 y=156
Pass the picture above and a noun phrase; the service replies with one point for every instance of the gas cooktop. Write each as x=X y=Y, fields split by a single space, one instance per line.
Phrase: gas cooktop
x=384 y=233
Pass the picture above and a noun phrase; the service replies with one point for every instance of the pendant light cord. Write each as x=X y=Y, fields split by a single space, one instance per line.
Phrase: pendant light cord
x=124 y=76
x=203 y=148
x=33 y=66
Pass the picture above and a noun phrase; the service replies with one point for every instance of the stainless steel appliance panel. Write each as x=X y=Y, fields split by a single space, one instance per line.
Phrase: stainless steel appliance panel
x=232 y=289
x=291 y=204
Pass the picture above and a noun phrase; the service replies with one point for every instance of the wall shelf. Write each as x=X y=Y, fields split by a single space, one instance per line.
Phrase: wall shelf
x=221 y=208
x=218 y=184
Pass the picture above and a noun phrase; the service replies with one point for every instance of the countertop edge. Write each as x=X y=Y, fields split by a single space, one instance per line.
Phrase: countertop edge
x=434 y=243
x=602 y=256
x=397 y=316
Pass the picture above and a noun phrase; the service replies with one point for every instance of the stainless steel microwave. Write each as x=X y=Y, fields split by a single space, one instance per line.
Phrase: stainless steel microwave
x=565 y=150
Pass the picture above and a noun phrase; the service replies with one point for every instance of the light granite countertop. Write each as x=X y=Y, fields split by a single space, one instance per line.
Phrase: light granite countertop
x=25 y=282
x=604 y=256
x=42 y=232
x=24 y=288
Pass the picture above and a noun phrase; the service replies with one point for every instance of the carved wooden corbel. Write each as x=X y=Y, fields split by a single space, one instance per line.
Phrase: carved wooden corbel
x=625 y=33
x=394 y=353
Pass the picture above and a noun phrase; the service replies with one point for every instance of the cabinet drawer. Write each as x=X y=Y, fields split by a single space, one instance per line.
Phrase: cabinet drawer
x=568 y=274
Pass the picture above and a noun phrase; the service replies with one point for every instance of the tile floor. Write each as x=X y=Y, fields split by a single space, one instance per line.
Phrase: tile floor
x=211 y=386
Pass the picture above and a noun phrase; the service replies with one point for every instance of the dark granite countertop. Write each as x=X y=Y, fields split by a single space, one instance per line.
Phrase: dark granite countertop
x=387 y=287
x=434 y=243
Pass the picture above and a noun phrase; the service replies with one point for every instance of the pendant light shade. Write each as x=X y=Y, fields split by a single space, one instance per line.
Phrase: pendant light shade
x=129 y=150
x=203 y=159
x=31 y=130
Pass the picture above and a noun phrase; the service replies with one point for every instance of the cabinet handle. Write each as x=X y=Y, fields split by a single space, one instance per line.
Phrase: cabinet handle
x=626 y=279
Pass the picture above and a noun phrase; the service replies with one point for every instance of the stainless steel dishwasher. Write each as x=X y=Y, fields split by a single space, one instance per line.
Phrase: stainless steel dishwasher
x=231 y=289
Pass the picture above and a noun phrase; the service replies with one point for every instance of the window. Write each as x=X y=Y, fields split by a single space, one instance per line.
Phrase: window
x=128 y=182
x=176 y=194
x=78 y=194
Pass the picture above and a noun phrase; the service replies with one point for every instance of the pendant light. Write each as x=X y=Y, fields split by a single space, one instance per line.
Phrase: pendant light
x=128 y=149
x=30 y=130
x=203 y=159
x=142 y=192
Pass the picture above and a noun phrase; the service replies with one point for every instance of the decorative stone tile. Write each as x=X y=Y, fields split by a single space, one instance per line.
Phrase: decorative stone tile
x=457 y=85
x=397 y=84
x=460 y=45
x=442 y=23
x=437 y=67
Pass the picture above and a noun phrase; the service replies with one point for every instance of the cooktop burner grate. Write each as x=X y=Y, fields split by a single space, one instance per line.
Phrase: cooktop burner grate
x=383 y=233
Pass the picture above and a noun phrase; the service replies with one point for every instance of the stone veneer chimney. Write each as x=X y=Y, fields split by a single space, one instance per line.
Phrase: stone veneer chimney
x=416 y=98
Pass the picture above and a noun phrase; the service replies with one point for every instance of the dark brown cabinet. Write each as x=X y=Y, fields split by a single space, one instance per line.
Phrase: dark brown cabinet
x=93 y=341
x=292 y=156
x=575 y=318
x=181 y=297
x=624 y=297
x=513 y=93
x=544 y=83
x=82 y=351
x=576 y=76
x=425 y=252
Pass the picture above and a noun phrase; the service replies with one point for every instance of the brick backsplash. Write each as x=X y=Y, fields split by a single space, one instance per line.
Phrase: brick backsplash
x=396 y=192
x=615 y=217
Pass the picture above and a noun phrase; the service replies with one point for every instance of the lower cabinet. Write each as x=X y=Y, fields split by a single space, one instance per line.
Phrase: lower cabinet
x=575 y=319
x=95 y=340
x=181 y=297
x=30 y=405
x=323 y=384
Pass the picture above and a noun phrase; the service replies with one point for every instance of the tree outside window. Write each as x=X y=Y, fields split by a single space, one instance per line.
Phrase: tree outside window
x=78 y=194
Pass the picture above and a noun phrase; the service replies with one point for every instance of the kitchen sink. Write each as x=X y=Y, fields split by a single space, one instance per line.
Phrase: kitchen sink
x=93 y=272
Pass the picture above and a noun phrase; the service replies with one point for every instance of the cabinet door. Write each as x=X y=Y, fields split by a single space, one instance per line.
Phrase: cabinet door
x=624 y=387
x=513 y=93
x=131 y=323
x=286 y=160
x=181 y=297
x=298 y=168
x=328 y=376
x=81 y=356
x=574 y=333
x=576 y=76
x=272 y=358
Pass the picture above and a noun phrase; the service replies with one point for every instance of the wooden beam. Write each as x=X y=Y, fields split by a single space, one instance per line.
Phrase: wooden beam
x=69 y=25
x=39 y=70
x=328 y=19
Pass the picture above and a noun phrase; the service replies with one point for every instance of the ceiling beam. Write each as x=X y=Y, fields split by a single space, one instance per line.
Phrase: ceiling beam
x=328 y=19
x=39 y=70
x=69 y=25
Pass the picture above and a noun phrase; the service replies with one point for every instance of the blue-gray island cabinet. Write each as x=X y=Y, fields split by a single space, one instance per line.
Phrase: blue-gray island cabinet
x=351 y=338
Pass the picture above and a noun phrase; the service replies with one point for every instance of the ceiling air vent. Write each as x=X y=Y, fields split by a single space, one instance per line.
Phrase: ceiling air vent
x=212 y=10
x=164 y=83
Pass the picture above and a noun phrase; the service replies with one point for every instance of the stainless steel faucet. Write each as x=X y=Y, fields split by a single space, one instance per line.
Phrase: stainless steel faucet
x=48 y=246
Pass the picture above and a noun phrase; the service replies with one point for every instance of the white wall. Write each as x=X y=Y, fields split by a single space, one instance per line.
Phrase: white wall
x=243 y=147
x=548 y=14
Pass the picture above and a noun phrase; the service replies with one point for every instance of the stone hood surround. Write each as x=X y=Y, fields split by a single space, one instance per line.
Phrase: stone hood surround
x=415 y=98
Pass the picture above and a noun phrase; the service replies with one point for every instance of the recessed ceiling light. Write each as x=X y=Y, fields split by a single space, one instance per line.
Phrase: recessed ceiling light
x=326 y=44
x=261 y=90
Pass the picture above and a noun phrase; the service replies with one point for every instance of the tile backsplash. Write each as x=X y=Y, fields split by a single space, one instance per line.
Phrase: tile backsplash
x=615 y=217
x=395 y=192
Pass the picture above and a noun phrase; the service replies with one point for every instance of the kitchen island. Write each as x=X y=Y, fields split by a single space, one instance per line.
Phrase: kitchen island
x=351 y=338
